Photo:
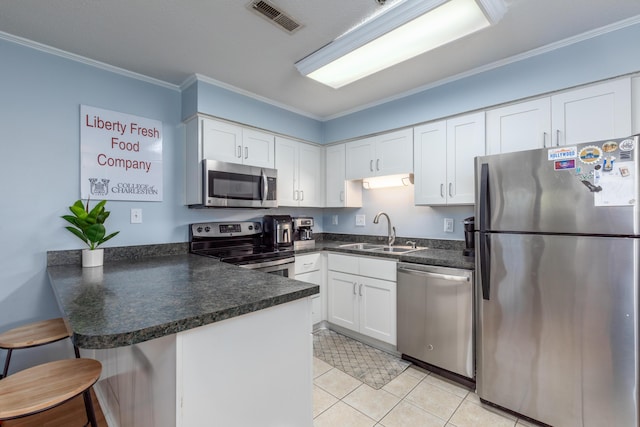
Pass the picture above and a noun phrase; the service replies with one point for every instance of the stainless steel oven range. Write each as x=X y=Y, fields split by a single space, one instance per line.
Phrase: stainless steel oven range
x=241 y=244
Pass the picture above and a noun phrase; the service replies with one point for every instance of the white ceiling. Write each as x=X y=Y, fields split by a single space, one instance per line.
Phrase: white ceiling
x=170 y=40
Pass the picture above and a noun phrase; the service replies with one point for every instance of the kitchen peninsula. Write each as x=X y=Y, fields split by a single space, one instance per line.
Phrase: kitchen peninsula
x=186 y=340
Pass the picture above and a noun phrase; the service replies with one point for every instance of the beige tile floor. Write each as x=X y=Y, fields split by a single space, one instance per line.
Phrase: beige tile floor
x=416 y=398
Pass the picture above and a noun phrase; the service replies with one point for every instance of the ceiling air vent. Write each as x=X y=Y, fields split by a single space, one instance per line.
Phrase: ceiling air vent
x=270 y=12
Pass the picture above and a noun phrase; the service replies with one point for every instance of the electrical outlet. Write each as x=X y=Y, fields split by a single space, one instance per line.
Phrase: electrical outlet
x=448 y=225
x=334 y=219
x=360 y=220
x=136 y=216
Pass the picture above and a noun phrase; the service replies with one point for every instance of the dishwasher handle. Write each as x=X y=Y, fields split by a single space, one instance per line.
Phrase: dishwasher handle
x=450 y=277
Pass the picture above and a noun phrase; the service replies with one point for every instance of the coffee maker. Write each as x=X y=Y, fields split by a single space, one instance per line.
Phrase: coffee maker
x=302 y=233
x=469 y=236
x=278 y=232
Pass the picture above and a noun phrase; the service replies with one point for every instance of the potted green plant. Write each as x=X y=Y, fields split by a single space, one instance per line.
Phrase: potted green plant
x=88 y=226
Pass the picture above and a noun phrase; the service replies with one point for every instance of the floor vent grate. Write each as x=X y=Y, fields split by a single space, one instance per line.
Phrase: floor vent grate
x=270 y=12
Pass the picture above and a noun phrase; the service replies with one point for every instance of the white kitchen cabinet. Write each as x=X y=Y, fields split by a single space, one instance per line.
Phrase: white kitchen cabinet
x=309 y=268
x=592 y=113
x=517 y=127
x=387 y=154
x=300 y=168
x=635 y=105
x=207 y=138
x=362 y=295
x=444 y=159
x=340 y=193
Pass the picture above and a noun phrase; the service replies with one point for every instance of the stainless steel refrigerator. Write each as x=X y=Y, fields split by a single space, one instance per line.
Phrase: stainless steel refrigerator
x=558 y=267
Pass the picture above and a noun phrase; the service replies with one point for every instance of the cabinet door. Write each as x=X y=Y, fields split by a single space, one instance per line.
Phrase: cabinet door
x=394 y=153
x=258 y=148
x=310 y=170
x=287 y=165
x=519 y=127
x=360 y=158
x=340 y=192
x=343 y=300
x=592 y=113
x=465 y=141
x=221 y=141
x=314 y=277
x=430 y=163
x=635 y=105
x=378 y=309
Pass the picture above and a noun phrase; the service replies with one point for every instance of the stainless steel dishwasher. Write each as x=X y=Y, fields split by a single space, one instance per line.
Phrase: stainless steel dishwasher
x=435 y=317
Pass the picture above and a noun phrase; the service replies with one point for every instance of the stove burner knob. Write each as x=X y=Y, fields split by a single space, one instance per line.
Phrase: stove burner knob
x=207 y=229
x=199 y=229
x=251 y=227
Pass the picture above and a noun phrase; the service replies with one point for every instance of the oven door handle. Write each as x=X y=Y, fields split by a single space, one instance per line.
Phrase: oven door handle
x=265 y=186
x=264 y=264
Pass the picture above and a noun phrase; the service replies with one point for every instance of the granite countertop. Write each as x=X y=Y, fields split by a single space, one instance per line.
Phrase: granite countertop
x=440 y=257
x=130 y=301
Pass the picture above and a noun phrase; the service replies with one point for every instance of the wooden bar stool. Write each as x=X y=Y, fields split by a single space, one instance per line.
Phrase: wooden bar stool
x=32 y=335
x=48 y=385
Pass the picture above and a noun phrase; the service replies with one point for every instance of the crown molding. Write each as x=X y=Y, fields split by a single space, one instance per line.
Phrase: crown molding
x=84 y=60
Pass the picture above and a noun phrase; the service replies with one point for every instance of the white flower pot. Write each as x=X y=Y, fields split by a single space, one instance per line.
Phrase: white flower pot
x=92 y=258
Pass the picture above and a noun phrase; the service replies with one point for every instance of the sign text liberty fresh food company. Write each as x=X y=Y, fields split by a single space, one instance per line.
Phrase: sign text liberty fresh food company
x=121 y=156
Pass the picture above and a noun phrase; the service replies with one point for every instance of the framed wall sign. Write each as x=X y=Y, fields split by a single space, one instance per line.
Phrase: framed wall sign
x=120 y=156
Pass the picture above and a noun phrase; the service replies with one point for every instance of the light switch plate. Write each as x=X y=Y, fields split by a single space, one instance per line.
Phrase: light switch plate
x=448 y=225
x=360 y=220
x=136 y=216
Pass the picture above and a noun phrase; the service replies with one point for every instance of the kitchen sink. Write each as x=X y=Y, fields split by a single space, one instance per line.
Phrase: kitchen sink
x=397 y=249
x=362 y=246
x=370 y=247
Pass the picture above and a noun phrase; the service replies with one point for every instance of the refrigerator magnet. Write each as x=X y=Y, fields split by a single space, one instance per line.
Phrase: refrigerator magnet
x=560 y=165
x=627 y=145
x=609 y=147
x=590 y=154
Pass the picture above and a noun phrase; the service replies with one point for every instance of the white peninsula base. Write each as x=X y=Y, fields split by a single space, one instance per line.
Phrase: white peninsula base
x=251 y=370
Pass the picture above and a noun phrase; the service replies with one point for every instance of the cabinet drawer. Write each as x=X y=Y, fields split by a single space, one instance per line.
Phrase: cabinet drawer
x=343 y=263
x=307 y=263
x=363 y=266
x=378 y=268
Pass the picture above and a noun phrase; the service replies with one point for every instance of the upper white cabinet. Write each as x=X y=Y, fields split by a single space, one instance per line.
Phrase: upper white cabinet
x=340 y=193
x=635 y=105
x=444 y=159
x=387 y=154
x=518 y=127
x=300 y=168
x=217 y=140
x=592 y=113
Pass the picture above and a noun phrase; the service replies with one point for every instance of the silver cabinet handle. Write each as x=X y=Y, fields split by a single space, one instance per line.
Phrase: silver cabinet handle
x=342 y=196
x=246 y=152
x=301 y=195
x=450 y=189
x=371 y=165
x=377 y=164
x=239 y=152
x=360 y=291
x=354 y=288
x=558 y=138
x=295 y=194
x=544 y=140
x=442 y=190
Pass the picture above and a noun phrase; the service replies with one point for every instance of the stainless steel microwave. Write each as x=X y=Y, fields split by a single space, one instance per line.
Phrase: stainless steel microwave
x=230 y=185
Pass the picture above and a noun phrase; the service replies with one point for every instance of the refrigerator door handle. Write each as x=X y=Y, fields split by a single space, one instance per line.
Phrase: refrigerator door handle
x=484 y=223
x=484 y=265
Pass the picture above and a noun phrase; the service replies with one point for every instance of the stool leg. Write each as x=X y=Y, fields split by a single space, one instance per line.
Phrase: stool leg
x=76 y=351
x=6 y=363
x=91 y=415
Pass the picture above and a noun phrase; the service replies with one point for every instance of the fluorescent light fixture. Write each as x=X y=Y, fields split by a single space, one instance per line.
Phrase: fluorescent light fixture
x=405 y=31
x=402 y=180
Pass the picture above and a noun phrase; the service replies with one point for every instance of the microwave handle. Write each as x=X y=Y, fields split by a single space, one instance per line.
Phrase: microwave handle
x=265 y=186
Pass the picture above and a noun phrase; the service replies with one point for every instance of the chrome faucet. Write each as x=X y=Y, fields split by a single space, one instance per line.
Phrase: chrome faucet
x=391 y=231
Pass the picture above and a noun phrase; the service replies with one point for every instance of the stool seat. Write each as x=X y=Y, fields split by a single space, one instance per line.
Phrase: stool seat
x=34 y=334
x=45 y=386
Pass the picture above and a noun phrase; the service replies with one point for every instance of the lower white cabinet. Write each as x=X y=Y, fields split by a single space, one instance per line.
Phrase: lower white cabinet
x=309 y=269
x=362 y=295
